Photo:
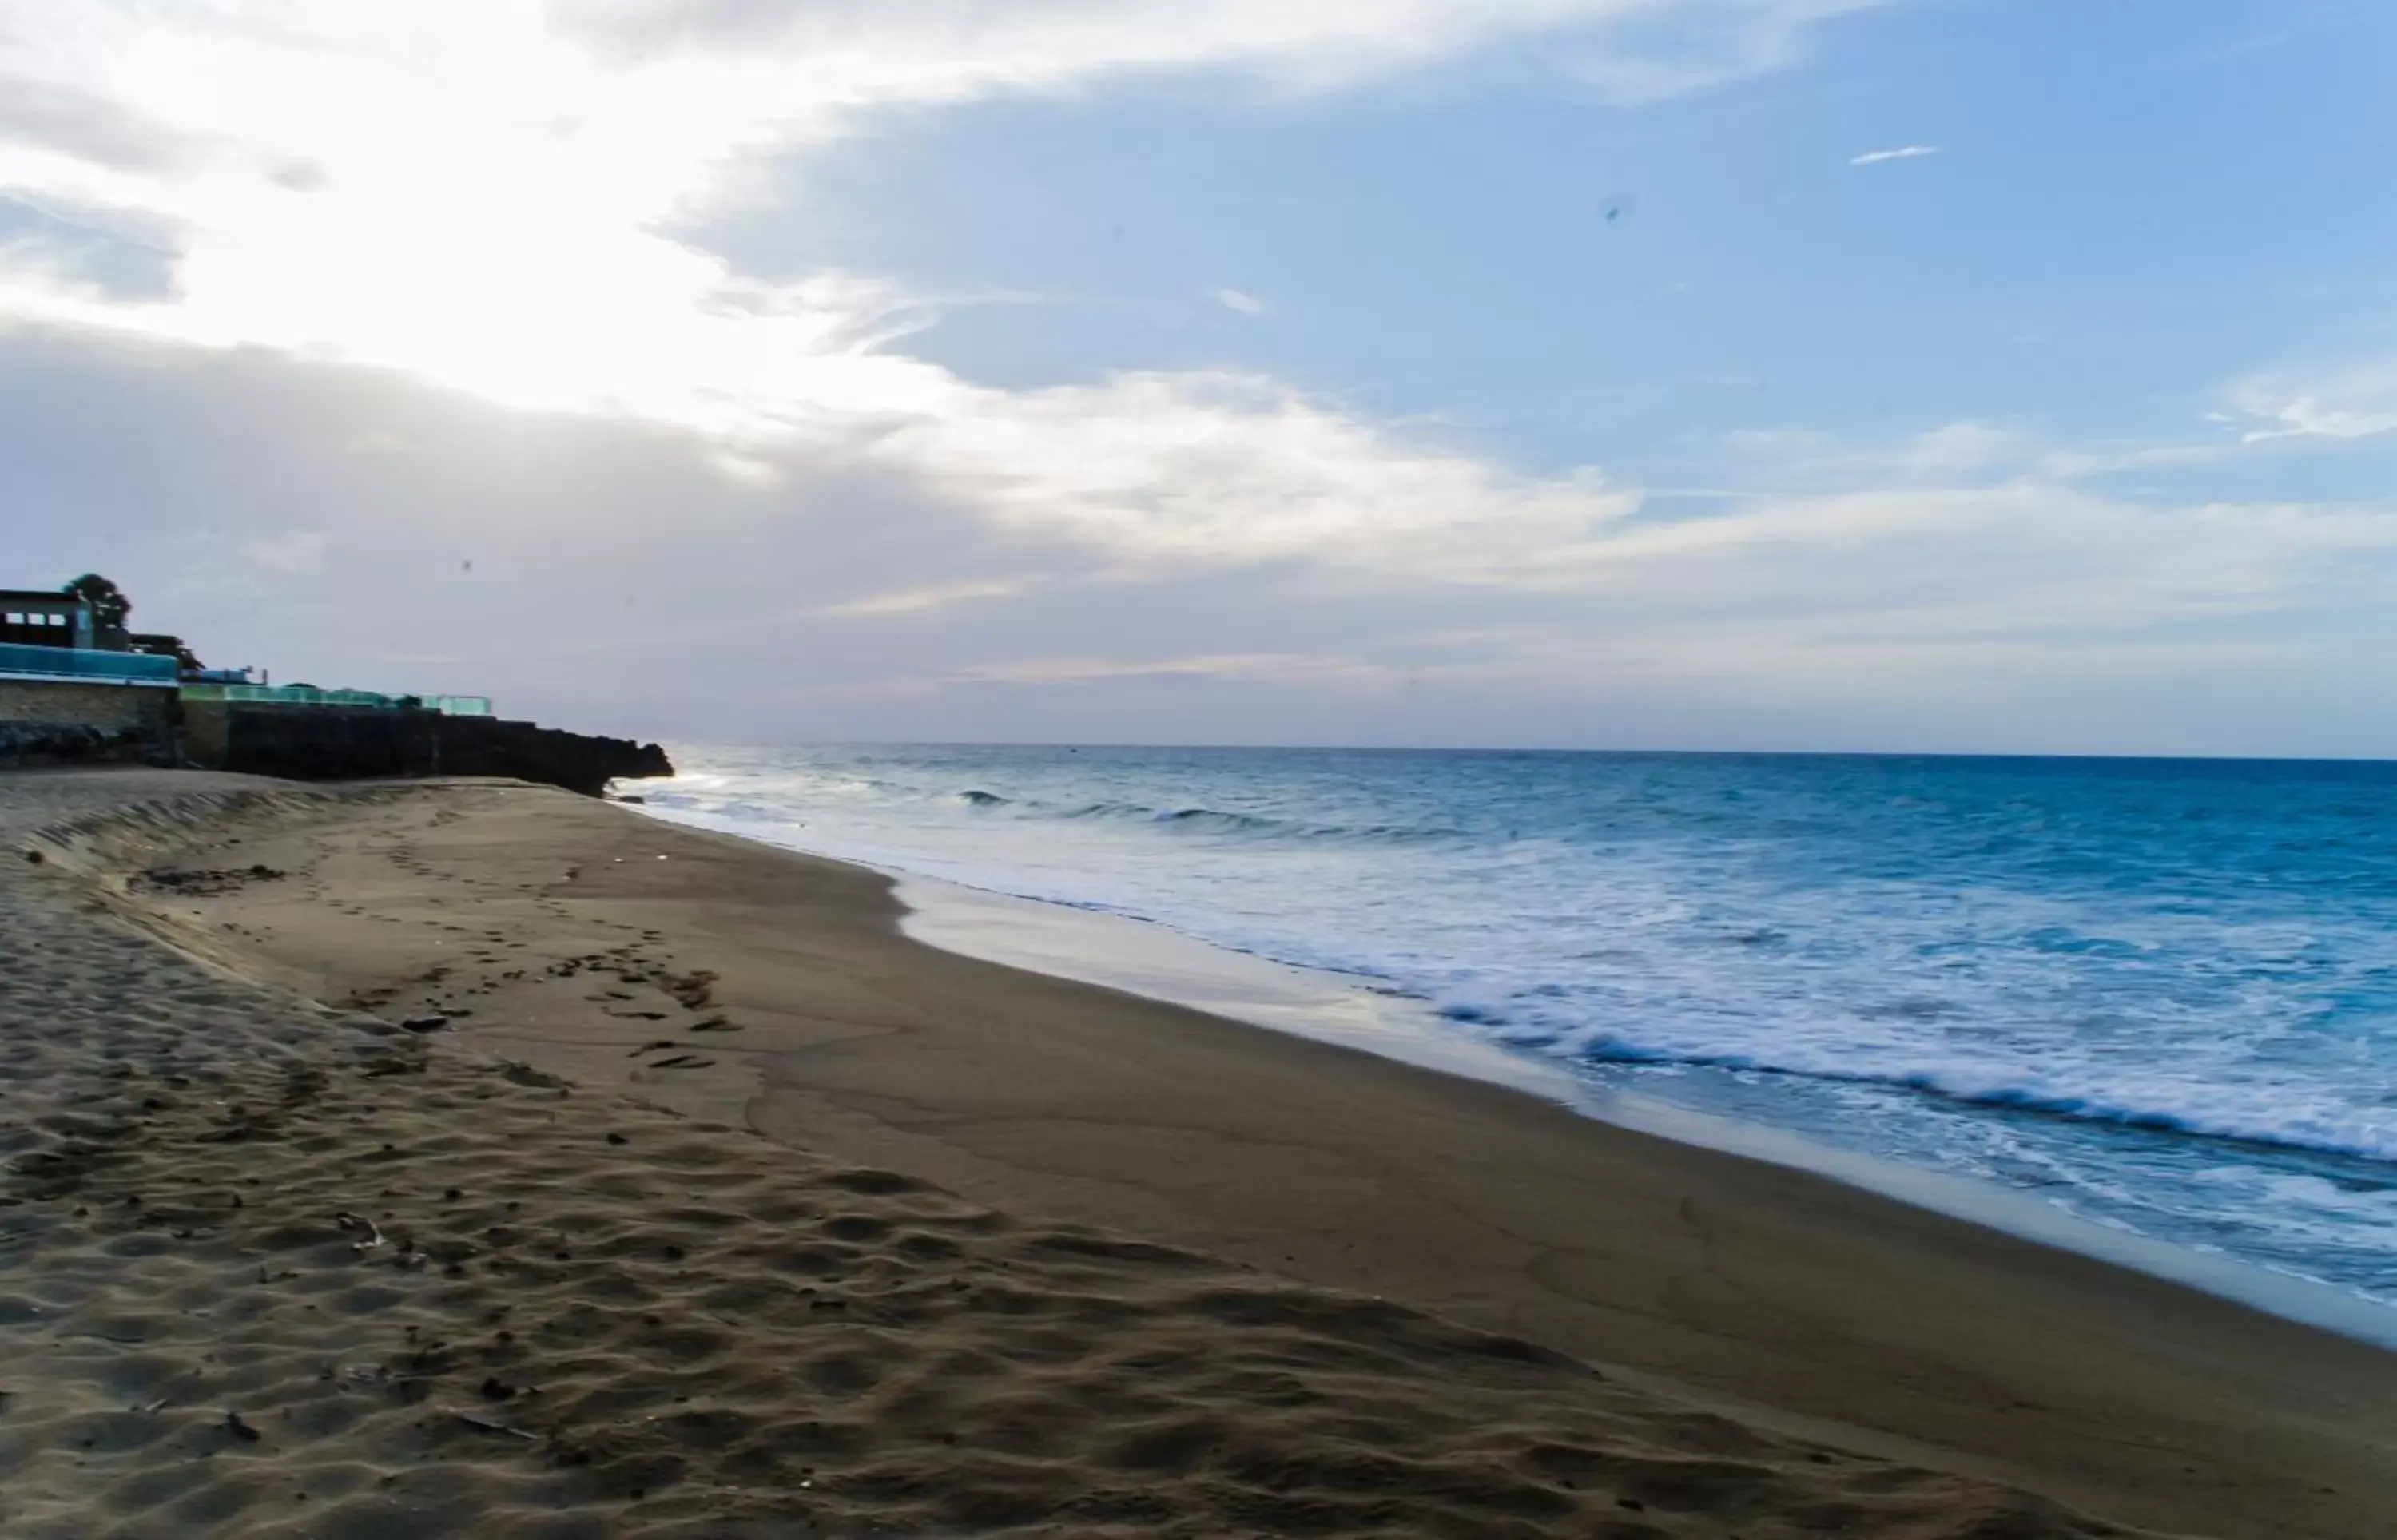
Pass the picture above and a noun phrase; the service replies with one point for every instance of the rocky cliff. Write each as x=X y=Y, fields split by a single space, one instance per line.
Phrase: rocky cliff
x=333 y=743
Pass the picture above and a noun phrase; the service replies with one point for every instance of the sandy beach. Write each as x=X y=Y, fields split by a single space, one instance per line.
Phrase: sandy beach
x=472 y=1157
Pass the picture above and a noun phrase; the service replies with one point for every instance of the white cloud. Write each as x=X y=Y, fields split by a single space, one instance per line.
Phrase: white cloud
x=2351 y=400
x=1277 y=667
x=937 y=51
x=475 y=192
x=1957 y=588
x=921 y=600
x=1243 y=303
x=1903 y=152
x=1654 y=53
x=1175 y=470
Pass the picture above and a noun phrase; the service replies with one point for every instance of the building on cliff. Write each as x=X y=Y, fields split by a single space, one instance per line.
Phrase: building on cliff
x=66 y=697
x=77 y=688
x=33 y=618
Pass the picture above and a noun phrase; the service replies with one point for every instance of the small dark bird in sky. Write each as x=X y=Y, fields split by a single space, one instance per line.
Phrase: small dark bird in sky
x=466 y=566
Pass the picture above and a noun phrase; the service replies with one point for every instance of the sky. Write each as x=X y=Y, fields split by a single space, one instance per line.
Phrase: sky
x=1981 y=376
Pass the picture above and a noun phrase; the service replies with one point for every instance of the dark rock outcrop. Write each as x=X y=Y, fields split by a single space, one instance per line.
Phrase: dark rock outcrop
x=486 y=746
x=337 y=743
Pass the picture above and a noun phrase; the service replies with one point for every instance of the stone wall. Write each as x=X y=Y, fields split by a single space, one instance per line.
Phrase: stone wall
x=45 y=722
x=110 y=708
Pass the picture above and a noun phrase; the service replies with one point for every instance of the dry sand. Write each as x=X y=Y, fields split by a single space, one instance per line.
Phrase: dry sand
x=602 y=1305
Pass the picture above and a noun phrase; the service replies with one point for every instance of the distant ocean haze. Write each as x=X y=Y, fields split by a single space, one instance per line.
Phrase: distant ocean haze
x=2161 y=994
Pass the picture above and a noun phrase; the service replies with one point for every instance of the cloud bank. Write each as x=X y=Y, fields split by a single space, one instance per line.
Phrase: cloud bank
x=477 y=195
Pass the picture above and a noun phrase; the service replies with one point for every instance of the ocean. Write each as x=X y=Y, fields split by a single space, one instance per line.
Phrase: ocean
x=2158 y=994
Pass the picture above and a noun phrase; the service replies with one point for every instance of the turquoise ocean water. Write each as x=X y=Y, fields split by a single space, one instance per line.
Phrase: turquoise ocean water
x=2161 y=994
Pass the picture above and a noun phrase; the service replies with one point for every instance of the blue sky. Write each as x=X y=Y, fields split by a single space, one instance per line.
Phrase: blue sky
x=2011 y=374
x=2128 y=203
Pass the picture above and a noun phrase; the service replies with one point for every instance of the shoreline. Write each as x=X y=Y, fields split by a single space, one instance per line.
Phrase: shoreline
x=1154 y=961
x=958 y=918
x=1797 y=1307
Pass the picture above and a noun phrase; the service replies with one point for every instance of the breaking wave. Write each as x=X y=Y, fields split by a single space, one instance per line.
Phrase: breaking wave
x=1211 y=820
x=2285 y=1120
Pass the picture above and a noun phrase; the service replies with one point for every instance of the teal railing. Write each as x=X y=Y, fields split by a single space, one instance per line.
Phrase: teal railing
x=84 y=664
x=308 y=695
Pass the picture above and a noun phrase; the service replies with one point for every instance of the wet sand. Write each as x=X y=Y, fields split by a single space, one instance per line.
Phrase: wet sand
x=1160 y=1266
